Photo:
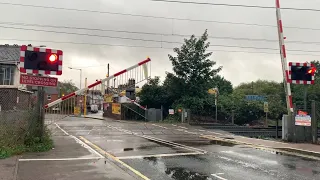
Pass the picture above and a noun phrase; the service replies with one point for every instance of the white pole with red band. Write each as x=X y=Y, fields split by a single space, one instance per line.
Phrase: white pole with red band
x=95 y=84
x=284 y=59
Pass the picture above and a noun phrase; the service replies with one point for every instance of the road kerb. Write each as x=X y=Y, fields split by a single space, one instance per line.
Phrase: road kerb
x=262 y=147
x=113 y=158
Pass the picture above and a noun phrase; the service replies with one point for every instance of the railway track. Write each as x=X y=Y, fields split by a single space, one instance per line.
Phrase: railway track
x=249 y=131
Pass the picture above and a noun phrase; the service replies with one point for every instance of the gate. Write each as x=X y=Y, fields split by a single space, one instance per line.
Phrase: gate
x=89 y=100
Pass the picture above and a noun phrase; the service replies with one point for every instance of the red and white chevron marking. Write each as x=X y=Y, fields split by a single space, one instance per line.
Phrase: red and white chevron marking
x=23 y=50
x=96 y=83
x=298 y=81
x=284 y=55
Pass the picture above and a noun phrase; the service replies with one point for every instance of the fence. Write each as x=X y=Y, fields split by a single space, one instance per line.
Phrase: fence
x=17 y=116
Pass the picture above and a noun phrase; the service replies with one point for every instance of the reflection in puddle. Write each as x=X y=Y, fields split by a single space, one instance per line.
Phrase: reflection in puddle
x=184 y=174
x=178 y=173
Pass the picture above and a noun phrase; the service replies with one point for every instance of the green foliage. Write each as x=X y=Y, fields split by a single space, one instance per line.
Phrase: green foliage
x=66 y=87
x=22 y=134
x=153 y=94
x=31 y=144
x=194 y=73
x=193 y=66
x=172 y=119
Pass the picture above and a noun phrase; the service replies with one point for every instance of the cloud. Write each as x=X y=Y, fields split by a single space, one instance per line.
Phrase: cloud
x=238 y=66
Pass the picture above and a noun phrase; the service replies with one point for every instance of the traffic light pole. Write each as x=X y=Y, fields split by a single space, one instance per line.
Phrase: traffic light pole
x=305 y=97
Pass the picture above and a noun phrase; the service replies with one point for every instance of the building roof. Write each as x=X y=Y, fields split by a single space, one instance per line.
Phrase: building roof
x=9 y=54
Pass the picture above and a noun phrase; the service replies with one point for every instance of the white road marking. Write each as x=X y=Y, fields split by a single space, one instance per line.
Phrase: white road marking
x=173 y=125
x=62 y=159
x=80 y=142
x=219 y=177
x=201 y=130
x=158 y=155
x=159 y=126
x=182 y=127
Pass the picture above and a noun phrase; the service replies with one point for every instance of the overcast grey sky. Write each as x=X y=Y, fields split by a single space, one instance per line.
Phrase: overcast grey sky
x=237 y=66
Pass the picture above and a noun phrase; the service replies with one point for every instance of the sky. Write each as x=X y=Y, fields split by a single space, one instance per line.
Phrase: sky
x=239 y=64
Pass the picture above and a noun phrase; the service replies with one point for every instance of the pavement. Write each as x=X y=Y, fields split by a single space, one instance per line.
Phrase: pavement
x=97 y=148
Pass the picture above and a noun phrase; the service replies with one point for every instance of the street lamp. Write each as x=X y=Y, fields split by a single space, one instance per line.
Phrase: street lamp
x=80 y=74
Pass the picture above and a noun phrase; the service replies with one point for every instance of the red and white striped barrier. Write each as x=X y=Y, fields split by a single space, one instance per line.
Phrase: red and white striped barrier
x=95 y=84
x=283 y=56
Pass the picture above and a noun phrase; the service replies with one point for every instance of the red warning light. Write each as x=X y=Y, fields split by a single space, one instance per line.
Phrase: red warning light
x=53 y=58
x=312 y=70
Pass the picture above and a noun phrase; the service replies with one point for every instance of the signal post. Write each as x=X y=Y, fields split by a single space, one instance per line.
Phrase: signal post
x=36 y=64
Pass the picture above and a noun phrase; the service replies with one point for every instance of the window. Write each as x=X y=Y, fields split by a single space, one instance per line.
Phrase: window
x=7 y=74
x=49 y=97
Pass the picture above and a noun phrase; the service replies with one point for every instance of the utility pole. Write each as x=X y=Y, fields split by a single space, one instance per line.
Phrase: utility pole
x=108 y=74
x=252 y=87
x=85 y=99
x=305 y=97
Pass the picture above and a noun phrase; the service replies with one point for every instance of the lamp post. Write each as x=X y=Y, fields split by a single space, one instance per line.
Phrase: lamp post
x=80 y=74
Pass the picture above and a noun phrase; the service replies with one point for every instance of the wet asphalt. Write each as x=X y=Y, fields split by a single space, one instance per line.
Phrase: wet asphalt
x=180 y=154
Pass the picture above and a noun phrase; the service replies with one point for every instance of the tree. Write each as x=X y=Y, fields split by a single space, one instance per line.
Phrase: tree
x=193 y=66
x=224 y=86
x=153 y=94
x=247 y=111
x=66 y=87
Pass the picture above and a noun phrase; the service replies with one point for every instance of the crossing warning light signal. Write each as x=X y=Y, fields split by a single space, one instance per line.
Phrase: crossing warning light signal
x=39 y=60
x=302 y=73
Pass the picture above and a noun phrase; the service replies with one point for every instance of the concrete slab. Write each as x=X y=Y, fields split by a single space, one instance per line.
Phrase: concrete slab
x=8 y=168
x=71 y=170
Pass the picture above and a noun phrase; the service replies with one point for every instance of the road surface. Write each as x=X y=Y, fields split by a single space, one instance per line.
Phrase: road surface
x=158 y=151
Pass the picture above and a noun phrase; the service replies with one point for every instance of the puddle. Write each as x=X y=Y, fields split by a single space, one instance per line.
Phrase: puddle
x=148 y=147
x=179 y=173
x=195 y=143
x=184 y=174
x=127 y=149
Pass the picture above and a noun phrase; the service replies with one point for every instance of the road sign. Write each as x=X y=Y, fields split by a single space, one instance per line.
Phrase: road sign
x=38 y=80
x=255 y=98
x=171 y=111
x=303 y=120
x=266 y=107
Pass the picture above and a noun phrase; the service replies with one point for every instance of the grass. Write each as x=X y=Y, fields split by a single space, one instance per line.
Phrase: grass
x=19 y=133
x=171 y=119
x=30 y=144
